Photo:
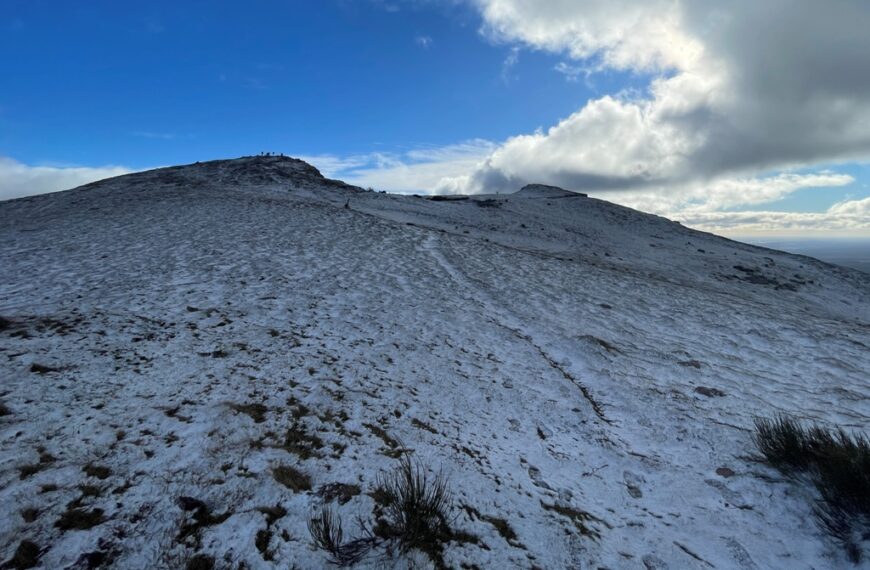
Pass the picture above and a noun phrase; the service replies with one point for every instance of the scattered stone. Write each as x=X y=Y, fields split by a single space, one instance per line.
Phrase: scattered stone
x=725 y=472
x=710 y=392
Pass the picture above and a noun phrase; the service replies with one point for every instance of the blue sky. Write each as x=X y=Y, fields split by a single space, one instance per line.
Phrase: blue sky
x=448 y=96
x=167 y=82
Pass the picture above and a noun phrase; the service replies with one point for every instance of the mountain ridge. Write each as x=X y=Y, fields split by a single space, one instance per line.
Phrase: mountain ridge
x=587 y=376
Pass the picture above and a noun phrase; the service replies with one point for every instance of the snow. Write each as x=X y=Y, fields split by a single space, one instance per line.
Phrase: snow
x=544 y=349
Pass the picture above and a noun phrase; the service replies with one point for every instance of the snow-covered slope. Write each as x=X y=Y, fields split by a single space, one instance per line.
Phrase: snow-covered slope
x=583 y=372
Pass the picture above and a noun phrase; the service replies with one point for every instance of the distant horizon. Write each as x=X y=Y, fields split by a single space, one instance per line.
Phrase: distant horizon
x=852 y=252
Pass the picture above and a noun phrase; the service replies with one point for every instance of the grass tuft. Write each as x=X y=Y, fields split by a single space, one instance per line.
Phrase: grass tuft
x=200 y=562
x=101 y=472
x=837 y=463
x=411 y=513
x=26 y=556
x=80 y=519
x=328 y=535
x=416 y=507
x=256 y=412
x=292 y=478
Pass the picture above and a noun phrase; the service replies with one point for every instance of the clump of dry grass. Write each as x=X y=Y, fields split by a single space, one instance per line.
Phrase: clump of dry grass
x=411 y=513
x=838 y=465
x=292 y=478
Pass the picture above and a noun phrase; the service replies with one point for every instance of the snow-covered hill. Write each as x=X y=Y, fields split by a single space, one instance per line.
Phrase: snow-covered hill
x=586 y=375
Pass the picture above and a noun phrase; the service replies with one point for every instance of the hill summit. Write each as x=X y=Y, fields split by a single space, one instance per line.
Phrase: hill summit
x=199 y=359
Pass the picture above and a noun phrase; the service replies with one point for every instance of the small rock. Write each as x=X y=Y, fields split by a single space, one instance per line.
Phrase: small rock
x=725 y=472
x=709 y=392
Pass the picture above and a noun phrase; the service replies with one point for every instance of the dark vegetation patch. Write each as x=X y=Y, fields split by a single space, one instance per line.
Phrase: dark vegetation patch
x=95 y=559
x=501 y=526
x=292 y=478
x=710 y=392
x=200 y=562
x=99 y=471
x=488 y=203
x=756 y=276
x=77 y=518
x=201 y=518
x=26 y=556
x=45 y=459
x=836 y=463
x=217 y=353
x=88 y=491
x=261 y=541
x=602 y=343
x=256 y=412
x=21 y=327
x=423 y=425
x=448 y=198
x=340 y=492
x=299 y=410
x=416 y=509
x=38 y=368
x=581 y=519
x=411 y=513
x=174 y=414
x=300 y=442
x=273 y=513
x=391 y=442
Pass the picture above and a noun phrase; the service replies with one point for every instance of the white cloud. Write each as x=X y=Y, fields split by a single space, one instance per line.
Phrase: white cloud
x=859 y=208
x=722 y=193
x=416 y=170
x=844 y=218
x=739 y=89
x=643 y=34
x=424 y=42
x=17 y=179
x=158 y=135
x=508 y=65
x=573 y=73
